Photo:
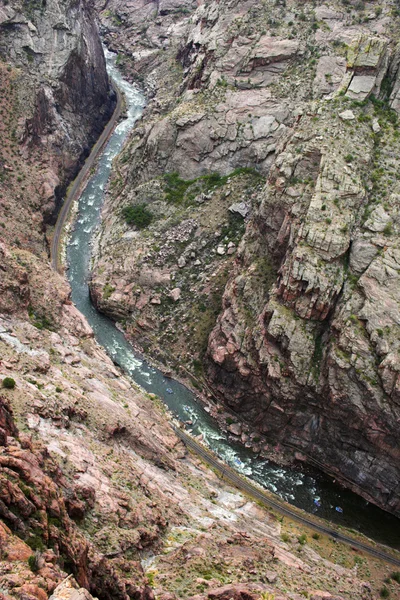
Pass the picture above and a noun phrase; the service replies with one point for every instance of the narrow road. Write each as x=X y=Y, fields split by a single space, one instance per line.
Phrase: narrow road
x=76 y=188
x=246 y=486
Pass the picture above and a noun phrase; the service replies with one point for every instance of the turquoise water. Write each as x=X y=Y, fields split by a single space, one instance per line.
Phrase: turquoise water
x=305 y=489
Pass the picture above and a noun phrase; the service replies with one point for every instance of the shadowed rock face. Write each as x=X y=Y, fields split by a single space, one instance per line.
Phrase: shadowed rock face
x=65 y=92
x=317 y=365
x=55 y=100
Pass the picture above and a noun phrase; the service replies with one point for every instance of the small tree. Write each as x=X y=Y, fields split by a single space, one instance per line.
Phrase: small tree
x=138 y=215
x=8 y=383
x=34 y=562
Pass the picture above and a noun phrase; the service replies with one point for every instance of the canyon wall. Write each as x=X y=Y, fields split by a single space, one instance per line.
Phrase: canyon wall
x=97 y=494
x=59 y=87
x=55 y=100
x=295 y=108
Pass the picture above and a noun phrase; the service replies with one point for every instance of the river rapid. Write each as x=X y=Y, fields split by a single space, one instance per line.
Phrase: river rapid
x=304 y=488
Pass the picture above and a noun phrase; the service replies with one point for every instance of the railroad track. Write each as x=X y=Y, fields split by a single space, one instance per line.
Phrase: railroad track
x=77 y=186
x=208 y=456
x=252 y=490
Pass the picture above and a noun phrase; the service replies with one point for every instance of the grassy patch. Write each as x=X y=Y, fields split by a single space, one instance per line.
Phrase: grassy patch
x=40 y=321
x=107 y=291
x=184 y=191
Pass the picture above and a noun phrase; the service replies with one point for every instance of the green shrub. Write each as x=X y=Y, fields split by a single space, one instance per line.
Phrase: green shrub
x=40 y=321
x=285 y=537
x=384 y=593
x=34 y=562
x=107 y=291
x=316 y=536
x=9 y=383
x=396 y=576
x=388 y=230
x=176 y=188
x=138 y=215
x=35 y=541
x=302 y=539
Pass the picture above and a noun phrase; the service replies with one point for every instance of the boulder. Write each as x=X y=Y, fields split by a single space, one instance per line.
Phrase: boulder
x=175 y=294
x=347 y=115
x=240 y=208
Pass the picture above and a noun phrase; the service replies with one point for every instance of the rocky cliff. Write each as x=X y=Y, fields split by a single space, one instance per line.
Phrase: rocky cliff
x=279 y=120
x=55 y=99
x=57 y=86
x=95 y=486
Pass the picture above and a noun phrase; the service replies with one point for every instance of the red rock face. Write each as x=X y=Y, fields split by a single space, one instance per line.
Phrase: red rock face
x=14 y=287
x=314 y=366
x=33 y=506
x=7 y=426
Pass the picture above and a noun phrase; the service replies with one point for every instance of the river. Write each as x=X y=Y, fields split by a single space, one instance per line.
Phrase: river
x=302 y=487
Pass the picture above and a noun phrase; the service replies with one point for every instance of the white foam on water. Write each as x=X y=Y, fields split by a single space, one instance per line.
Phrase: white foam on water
x=290 y=485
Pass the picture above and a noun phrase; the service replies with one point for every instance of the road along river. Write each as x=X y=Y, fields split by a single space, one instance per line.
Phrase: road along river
x=305 y=489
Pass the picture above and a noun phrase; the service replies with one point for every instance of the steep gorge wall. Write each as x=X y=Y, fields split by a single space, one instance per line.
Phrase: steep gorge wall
x=62 y=92
x=305 y=348
x=93 y=477
x=55 y=99
x=314 y=361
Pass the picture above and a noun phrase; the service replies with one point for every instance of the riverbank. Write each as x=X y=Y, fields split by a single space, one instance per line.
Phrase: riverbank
x=300 y=487
x=78 y=185
x=239 y=431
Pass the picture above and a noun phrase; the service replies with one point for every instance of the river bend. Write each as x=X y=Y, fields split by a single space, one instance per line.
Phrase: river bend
x=304 y=488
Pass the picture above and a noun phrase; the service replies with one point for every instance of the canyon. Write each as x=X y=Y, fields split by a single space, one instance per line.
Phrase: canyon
x=237 y=281
x=267 y=159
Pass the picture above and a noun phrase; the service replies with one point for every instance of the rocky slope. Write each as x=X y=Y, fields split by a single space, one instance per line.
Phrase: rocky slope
x=94 y=483
x=306 y=345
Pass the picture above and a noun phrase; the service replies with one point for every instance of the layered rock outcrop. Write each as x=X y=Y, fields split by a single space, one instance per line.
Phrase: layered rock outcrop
x=318 y=370
x=94 y=482
x=33 y=506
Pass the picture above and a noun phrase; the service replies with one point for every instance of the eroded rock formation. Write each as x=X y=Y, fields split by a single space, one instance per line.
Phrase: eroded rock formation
x=97 y=494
